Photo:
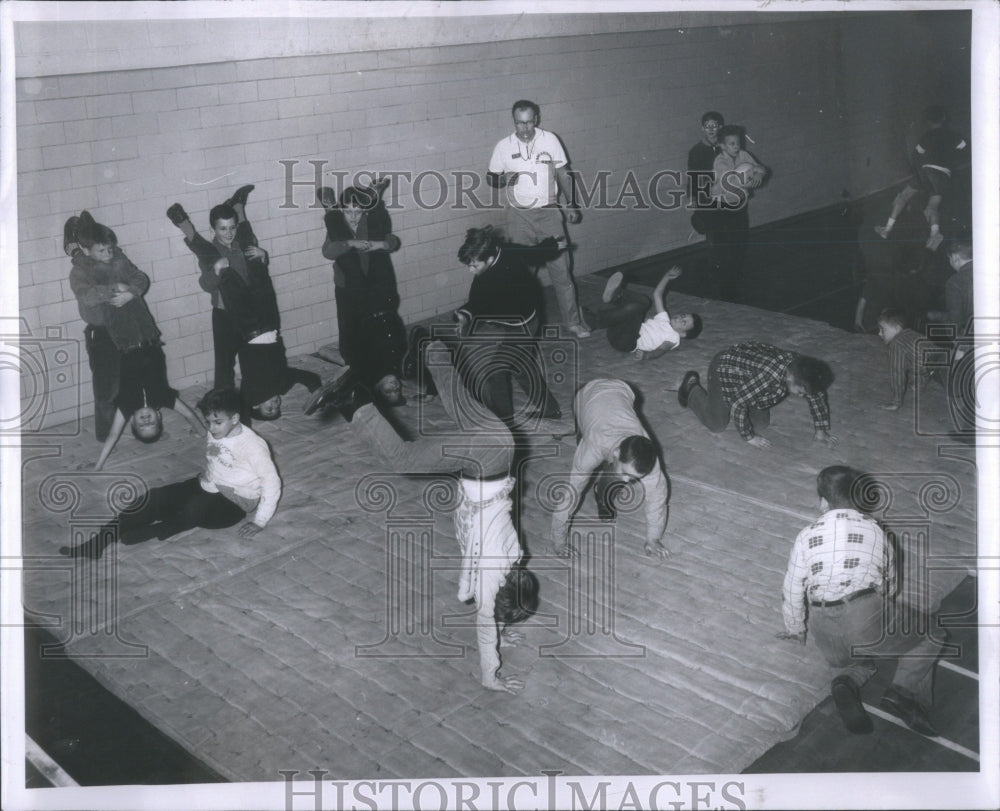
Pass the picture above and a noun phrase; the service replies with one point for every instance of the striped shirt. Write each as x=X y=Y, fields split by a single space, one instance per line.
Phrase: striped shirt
x=753 y=375
x=844 y=551
x=902 y=363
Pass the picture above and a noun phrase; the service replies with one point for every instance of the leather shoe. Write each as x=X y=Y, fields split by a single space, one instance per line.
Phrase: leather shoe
x=346 y=395
x=852 y=711
x=326 y=196
x=328 y=394
x=690 y=380
x=240 y=195
x=908 y=711
x=177 y=214
x=92 y=549
x=350 y=400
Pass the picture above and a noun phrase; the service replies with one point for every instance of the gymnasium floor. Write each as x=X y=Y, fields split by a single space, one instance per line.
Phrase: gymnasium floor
x=803 y=284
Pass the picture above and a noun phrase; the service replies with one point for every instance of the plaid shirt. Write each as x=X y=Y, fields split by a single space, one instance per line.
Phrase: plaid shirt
x=843 y=552
x=902 y=363
x=752 y=375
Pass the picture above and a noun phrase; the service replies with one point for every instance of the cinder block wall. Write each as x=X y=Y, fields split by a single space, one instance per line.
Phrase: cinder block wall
x=831 y=103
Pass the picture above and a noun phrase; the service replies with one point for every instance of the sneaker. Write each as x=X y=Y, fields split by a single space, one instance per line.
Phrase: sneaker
x=240 y=196
x=934 y=242
x=326 y=196
x=177 y=214
x=852 y=711
x=908 y=711
x=690 y=380
x=614 y=283
x=579 y=330
x=882 y=231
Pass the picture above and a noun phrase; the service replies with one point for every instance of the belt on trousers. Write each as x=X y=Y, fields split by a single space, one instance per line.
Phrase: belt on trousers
x=140 y=345
x=842 y=600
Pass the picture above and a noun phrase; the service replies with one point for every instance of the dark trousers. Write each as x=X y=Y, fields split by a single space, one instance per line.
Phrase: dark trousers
x=228 y=340
x=104 y=369
x=623 y=321
x=174 y=508
x=492 y=359
x=371 y=343
x=731 y=249
x=606 y=488
x=726 y=232
x=713 y=410
x=225 y=332
x=962 y=395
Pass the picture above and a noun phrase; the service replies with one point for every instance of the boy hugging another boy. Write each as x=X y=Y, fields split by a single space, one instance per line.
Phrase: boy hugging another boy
x=239 y=478
x=628 y=328
x=903 y=365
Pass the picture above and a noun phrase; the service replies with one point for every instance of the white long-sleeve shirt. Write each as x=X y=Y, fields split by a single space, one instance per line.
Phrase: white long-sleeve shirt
x=240 y=467
x=490 y=548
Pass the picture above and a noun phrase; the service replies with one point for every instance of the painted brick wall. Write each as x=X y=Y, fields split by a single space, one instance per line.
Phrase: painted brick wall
x=830 y=103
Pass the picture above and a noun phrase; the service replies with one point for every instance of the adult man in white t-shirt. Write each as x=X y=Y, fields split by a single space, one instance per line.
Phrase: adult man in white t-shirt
x=531 y=165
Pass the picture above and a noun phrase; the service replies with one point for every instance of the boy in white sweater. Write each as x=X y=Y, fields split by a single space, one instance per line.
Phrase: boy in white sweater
x=239 y=478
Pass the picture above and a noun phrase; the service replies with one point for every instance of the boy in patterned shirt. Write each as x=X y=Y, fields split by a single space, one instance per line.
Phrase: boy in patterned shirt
x=840 y=583
x=902 y=343
x=746 y=380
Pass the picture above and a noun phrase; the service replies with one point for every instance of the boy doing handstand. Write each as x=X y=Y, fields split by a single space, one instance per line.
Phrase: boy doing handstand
x=482 y=454
x=110 y=287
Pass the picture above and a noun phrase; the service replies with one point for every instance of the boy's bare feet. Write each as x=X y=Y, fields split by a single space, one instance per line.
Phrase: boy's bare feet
x=882 y=231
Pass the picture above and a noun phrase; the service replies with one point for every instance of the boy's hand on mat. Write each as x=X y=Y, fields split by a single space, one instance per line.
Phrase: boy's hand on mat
x=510 y=638
x=656 y=549
x=506 y=684
x=759 y=442
x=249 y=529
x=826 y=438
